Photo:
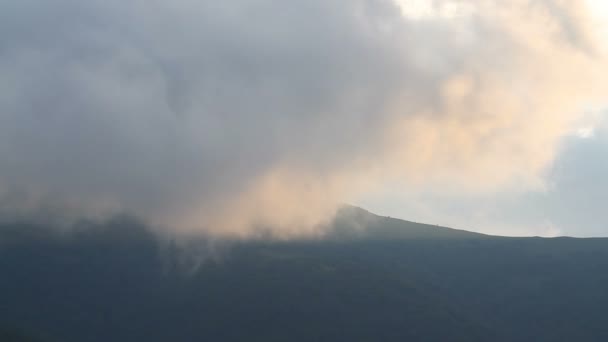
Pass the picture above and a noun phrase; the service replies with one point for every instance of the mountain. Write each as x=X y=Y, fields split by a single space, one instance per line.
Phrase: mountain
x=15 y=336
x=372 y=279
x=354 y=222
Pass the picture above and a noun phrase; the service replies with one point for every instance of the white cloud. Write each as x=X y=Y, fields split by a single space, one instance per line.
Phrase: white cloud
x=224 y=116
x=585 y=132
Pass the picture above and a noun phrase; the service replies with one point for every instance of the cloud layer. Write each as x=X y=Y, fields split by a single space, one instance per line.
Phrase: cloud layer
x=228 y=116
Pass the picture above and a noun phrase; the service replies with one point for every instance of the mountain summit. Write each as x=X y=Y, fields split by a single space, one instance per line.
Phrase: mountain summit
x=355 y=222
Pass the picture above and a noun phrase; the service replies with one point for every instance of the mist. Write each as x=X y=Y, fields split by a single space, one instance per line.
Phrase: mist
x=231 y=118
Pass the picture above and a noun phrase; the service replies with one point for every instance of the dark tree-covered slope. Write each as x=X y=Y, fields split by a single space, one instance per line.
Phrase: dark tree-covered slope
x=371 y=279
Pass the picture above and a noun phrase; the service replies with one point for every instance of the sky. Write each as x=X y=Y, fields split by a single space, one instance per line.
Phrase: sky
x=232 y=118
x=570 y=201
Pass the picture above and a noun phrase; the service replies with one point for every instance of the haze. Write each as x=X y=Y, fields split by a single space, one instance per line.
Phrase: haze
x=227 y=117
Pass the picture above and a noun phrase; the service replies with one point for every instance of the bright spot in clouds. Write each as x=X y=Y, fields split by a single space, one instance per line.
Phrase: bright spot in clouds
x=599 y=10
x=420 y=9
x=585 y=132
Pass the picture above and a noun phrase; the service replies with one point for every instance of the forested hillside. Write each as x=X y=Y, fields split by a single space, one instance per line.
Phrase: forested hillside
x=372 y=279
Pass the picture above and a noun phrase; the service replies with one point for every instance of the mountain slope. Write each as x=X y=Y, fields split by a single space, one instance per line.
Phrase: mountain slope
x=354 y=222
x=374 y=279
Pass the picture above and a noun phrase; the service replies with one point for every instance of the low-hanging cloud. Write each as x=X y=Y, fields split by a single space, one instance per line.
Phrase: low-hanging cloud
x=224 y=116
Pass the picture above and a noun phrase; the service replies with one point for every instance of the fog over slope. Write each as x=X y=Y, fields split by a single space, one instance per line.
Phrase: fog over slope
x=223 y=116
x=375 y=279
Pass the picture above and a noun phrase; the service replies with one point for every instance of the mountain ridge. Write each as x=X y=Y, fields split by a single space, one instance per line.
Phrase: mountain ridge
x=119 y=282
x=390 y=227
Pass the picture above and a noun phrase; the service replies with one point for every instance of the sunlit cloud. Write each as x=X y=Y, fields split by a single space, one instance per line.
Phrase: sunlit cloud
x=239 y=117
x=426 y=9
x=585 y=132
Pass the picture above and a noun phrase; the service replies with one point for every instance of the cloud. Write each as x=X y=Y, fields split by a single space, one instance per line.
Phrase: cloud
x=571 y=202
x=229 y=117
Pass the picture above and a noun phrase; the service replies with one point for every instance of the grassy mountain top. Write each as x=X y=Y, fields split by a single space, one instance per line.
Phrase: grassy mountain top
x=355 y=222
